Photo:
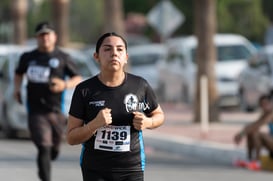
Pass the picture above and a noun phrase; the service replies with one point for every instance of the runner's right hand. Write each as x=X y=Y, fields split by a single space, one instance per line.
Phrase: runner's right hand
x=104 y=117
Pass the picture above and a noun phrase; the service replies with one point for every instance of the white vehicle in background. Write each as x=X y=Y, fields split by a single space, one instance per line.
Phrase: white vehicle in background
x=13 y=116
x=256 y=79
x=9 y=53
x=178 y=73
x=144 y=61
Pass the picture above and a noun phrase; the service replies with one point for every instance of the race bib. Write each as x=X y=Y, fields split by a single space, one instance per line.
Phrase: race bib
x=38 y=74
x=113 y=138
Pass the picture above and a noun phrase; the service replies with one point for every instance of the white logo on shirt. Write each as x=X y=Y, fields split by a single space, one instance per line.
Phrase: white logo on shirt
x=38 y=74
x=132 y=104
x=97 y=103
x=54 y=62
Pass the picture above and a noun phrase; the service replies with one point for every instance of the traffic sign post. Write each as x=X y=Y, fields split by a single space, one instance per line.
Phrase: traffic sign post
x=165 y=18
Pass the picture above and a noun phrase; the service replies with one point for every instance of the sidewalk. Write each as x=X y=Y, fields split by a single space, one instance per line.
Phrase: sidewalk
x=179 y=134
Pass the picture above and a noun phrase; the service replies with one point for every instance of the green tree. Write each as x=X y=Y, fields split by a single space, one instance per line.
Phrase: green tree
x=242 y=17
x=37 y=14
x=5 y=22
x=140 y=6
x=86 y=20
x=267 y=7
x=233 y=16
x=5 y=10
x=247 y=17
x=187 y=8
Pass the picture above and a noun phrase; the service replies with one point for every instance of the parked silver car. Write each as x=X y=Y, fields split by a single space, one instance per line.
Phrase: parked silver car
x=178 y=74
x=145 y=59
x=8 y=56
x=256 y=79
x=13 y=119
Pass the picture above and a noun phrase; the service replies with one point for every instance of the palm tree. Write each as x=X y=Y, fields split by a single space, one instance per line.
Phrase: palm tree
x=60 y=17
x=114 y=19
x=113 y=16
x=205 y=27
x=19 y=12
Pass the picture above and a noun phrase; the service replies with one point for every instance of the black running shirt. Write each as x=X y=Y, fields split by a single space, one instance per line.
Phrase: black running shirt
x=118 y=147
x=39 y=68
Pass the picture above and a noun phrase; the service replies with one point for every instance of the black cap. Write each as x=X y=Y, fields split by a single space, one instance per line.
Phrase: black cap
x=44 y=27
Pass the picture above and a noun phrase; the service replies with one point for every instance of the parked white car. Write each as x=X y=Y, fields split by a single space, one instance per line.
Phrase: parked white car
x=144 y=61
x=178 y=73
x=13 y=116
x=256 y=79
x=8 y=55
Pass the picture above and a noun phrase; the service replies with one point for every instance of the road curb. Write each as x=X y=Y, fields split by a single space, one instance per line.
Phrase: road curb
x=213 y=151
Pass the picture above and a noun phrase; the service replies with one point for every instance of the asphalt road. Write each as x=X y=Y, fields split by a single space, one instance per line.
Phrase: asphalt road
x=17 y=163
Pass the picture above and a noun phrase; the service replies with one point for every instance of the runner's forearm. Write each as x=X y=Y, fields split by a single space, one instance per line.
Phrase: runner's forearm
x=72 y=82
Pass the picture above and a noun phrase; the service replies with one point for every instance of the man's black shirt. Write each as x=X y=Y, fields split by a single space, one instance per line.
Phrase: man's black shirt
x=39 y=68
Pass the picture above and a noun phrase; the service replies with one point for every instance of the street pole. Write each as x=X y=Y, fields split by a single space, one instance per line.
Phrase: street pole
x=204 y=106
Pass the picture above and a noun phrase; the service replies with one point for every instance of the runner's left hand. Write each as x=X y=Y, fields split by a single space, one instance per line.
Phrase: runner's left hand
x=141 y=121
